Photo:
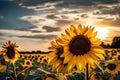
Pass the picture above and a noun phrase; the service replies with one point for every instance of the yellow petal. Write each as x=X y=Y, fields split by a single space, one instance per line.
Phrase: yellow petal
x=79 y=63
x=64 y=69
x=100 y=56
x=59 y=68
x=79 y=29
x=73 y=29
x=92 y=35
x=89 y=31
x=90 y=61
x=56 y=64
x=67 y=58
x=97 y=49
x=52 y=59
x=65 y=37
x=93 y=56
x=84 y=30
x=72 y=63
x=61 y=42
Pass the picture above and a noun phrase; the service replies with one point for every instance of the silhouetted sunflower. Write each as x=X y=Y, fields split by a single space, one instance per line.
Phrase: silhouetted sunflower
x=117 y=57
x=3 y=66
x=10 y=52
x=73 y=50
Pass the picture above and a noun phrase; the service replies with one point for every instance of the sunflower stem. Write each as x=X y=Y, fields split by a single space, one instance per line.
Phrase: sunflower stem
x=86 y=72
x=14 y=70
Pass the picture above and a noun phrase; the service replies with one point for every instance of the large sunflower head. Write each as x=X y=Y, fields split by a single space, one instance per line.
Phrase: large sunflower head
x=76 y=48
x=10 y=52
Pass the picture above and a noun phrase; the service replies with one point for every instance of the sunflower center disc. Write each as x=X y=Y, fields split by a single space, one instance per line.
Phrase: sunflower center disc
x=119 y=57
x=111 y=66
x=79 y=45
x=10 y=52
x=28 y=63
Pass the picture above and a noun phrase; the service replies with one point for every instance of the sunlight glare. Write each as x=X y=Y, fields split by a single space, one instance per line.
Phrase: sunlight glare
x=102 y=33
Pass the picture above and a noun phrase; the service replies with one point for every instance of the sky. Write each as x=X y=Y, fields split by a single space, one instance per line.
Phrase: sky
x=33 y=24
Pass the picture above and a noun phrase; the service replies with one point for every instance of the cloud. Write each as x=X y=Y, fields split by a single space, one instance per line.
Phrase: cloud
x=111 y=10
x=109 y=22
x=33 y=3
x=39 y=36
x=1 y=34
x=36 y=31
x=75 y=3
x=51 y=29
x=84 y=16
x=52 y=16
x=63 y=3
x=63 y=22
x=11 y=14
x=102 y=9
x=105 y=18
x=106 y=1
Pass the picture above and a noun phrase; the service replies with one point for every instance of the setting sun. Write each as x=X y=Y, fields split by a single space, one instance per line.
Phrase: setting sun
x=102 y=32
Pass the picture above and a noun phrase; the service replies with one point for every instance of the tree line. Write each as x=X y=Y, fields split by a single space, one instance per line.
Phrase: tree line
x=115 y=43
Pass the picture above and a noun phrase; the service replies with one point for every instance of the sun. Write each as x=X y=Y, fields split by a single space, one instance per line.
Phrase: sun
x=102 y=33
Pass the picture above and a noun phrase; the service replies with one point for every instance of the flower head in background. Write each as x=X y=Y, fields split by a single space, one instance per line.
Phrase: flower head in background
x=112 y=68
x=27 y=63
x=96 y=76
x=76 y=48
x=10 y=52
x=3 y=66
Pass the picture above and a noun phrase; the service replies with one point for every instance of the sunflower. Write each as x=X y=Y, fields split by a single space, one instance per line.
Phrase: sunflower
x=75 y=49
x=3 y=66
x=112 y=68
x=96 y=76
x=117 y=57
x=27 y=63
x=10 y=52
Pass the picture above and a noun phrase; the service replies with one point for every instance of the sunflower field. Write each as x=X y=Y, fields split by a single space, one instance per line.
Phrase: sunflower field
x=76 y=55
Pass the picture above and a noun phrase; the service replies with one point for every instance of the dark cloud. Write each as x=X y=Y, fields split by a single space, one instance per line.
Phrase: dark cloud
x=84 y=15
x=113 y=10
x=51 y=29
x=74 y=3
x=33 y=2
x=106 y=10
x=106 y=1
x=1 y=34
x=63 y=3
x=39 y=36
x=98 y=12
x=64 y=17
x=36 y=31
x=52 y=16
x=60 y=22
